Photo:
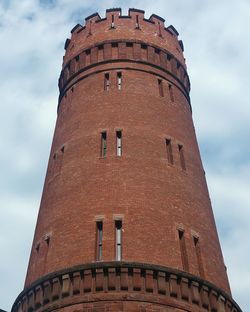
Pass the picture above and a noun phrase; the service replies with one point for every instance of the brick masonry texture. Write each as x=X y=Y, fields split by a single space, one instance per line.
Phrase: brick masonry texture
x=122 y=286
x=164 y=206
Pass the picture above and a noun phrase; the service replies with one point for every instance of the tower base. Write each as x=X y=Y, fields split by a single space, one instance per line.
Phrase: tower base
x=122 y=286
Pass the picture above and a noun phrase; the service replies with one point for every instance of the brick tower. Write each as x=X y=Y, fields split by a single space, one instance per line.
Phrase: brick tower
x=125 y=222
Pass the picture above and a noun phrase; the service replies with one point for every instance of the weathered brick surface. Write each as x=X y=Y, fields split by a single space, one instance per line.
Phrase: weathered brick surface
x=153 y=198
x=147 y=287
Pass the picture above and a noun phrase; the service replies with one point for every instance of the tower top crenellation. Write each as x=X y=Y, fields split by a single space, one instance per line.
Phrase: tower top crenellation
x=132 y=25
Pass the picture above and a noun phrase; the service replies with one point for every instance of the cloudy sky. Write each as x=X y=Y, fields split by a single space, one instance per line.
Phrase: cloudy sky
x=217 y=45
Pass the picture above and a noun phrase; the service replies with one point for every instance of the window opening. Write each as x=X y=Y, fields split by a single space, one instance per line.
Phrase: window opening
x=137 y=22
x=113 y=21
x=37 y=247
x=129 y=44
x=118 y=232
x=119 y=143
x=184 y=257
x=198 y=255
x=182 y=159
x=99 y=236
x=119 y=81
x=160 y=85
x=103 y=144
x=169 y=151
x=106 y=82
x=171 y=93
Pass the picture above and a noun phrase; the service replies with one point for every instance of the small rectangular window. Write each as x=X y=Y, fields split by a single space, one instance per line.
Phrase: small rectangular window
x=103 y=144
x=99 y=235
x=198 y=255
x=169 y=151
x=184 y=257
x=160 y=85
x=106 y=82
x=169 y=57
x=171 y=93
x=119 y=143
x=119 y=81
x=129 y=44
x=137 y=22
x=113 y=21
x=182 y=159
x=118 y=238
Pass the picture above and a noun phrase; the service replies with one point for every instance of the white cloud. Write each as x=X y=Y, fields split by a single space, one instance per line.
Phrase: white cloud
x=32 y=35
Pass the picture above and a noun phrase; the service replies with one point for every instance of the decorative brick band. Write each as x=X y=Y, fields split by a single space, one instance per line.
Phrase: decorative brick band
x=108 y=282
x=124 y=50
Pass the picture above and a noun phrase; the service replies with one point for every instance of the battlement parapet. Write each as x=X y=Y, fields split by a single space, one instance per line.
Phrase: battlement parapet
x=117 y=26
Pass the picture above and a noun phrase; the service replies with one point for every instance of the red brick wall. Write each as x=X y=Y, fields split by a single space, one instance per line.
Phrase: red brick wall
x=153 y=198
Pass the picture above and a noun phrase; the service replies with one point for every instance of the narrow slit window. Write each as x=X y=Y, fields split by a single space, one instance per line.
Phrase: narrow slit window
x=106 y=82
x=113 y=21
x=137 y=22
x=119 y=143
x=182 y=158
x=160 y=85
x=169 y=151
x=99 y=236
x=118 y=243
x=103 y=144
x=119 y=81
x=37 y=247
x=184 y=257
x=171 y=93
x=198 y=255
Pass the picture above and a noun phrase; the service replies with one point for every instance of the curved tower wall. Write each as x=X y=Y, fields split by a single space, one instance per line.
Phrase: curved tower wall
x=124 y=81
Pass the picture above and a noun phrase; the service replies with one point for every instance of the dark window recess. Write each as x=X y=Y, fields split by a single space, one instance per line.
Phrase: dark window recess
x=99 y=236
x=106 y=82
x=137 y=26
x=160 y=85
x=182 y=158
x=113 y=21
x=100 y=47
x=129 y=44
x=118 y=240
x=47 y=239
x=169 y=57
x=119 y=81
x=119 y=143
x=114 y=44
x=169 y=151
x=87 y=52
x=171 y=93
x=183 y=249
x=37 y=247
x=144 y=46
x=103 y=144
x=77 y=58
x=198 y=255
x=157 y=51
